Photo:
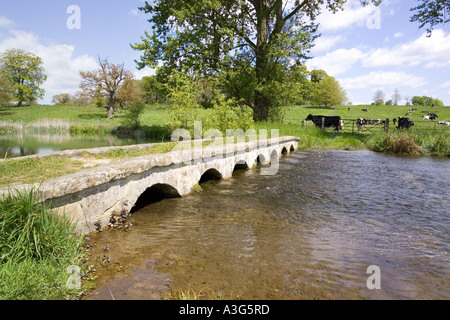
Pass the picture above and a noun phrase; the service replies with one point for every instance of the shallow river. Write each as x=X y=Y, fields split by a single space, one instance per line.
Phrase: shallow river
x=309 y=232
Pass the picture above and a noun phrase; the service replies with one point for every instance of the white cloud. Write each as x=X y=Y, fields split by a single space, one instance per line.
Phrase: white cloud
x=445 y=85
x=398 y=35
x=384 y=78
x=433 y=51
x=139 y=74
x=134 y=12
x=325 y=43
x=5 y=22
x=60 y=64
x=338 y=61
x=353 y=14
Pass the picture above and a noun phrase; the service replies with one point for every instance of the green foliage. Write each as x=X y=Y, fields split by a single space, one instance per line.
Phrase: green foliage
x=431 y=13
x=247 y=44
x=185 y=108
x=131 y=118
x=61 y=99
x=225 y=114
x=24 y=73
x=6 y=93
x=153 y=90
x=328 y=92
x=36 y=247
x=389 y=103
x=426 y=101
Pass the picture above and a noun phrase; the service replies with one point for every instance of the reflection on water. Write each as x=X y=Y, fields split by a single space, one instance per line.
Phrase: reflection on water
x=18 y=145
x=309 y=232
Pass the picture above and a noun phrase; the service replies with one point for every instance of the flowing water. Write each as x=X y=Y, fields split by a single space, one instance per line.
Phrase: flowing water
x=309 y=232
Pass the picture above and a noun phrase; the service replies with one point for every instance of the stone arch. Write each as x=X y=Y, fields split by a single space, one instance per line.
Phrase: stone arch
x=292 y=149
x=284 y=150
x=155 y=193
x=241 y=164
x=210 y=174
x=274 y=154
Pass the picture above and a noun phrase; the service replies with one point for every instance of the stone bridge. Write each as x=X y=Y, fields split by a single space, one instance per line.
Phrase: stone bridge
x=90 y=197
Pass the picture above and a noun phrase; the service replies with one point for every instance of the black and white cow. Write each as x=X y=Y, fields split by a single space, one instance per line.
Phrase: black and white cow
x=329 y=121
x=404 y=123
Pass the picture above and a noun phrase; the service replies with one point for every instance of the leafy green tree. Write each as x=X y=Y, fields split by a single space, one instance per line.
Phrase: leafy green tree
x=438 y=103
x=256 y=40
x=328 y=92
x=431 y=13
x=154 y=91
x=6 y=93
x=318 y=75
x=24 y=73
x=62 y=99
x=426 y=101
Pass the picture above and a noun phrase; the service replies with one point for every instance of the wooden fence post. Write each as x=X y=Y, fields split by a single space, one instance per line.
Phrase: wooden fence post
x=323 y=123
x=386 y=125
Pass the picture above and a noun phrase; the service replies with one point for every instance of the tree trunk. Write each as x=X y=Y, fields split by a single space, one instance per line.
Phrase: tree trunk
x=261 y=106
x=111 y=106
x=110 y=112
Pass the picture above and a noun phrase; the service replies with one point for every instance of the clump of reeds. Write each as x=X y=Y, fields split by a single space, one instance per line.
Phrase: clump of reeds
x=36 y=247
x=414 y=142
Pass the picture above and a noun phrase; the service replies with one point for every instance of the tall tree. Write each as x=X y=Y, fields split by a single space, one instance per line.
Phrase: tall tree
x=257 y=39
x=379 y=97
x=24 y=72
x=328 y=92
x=396 y=97
x=107 y=82
x=431 y=13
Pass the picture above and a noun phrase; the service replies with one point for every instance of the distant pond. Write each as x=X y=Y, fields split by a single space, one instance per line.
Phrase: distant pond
x=18 y=145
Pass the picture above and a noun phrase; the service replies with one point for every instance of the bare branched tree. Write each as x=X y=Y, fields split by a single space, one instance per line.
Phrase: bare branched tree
x=106 y=82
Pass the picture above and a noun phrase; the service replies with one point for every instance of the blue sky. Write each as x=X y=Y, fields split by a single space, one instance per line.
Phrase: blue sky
x=364 y=48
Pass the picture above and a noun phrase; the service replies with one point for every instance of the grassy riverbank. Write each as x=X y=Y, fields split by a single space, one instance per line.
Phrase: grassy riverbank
x=36 y=250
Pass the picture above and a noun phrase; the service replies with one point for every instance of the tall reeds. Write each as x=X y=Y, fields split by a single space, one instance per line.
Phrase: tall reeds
x=36 y=247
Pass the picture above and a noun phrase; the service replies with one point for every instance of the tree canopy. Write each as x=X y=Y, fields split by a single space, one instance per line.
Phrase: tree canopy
x=24 y=73
x=107 y=82
x=431 y=13
x=328 y=92
x=250 y=44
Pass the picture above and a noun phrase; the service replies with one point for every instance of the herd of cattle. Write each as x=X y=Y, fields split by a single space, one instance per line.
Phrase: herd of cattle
x=338 y=124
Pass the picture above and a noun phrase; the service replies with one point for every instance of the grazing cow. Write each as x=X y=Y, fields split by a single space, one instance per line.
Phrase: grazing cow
x=432 y=115
x=408 y=113
x=394 y=120
x=330 y=121
x=426 y=118
x=412 y=109
x=361 y=123
x=444 y=123
x=404 y=123
x=366 y=110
